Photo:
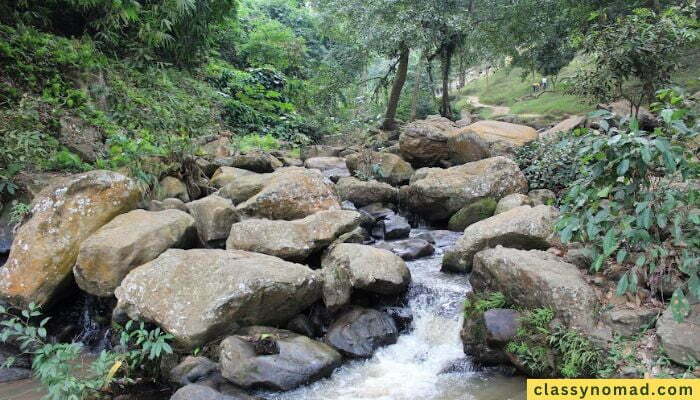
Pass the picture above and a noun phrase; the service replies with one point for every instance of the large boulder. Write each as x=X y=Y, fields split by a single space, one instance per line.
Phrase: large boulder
x=244 y=187
x=385 y=167
x=681 y=340
x=293 y=361
x=256 y=161
x=485 y=336
x=225 y=175
x=523 y=228
x=537 y=279
x=350 y=265
x=292 y=240
x=193 y=369
x=332 y=168
x=564 y=126
x=126 y=242
x=201 y=392
x=472 y=213
x=484 y=139
x=436 y=194
x=214 y=216
x=360 y=331
x=200 y=295
x=41 y=260
x=291 y=193
x=362 y=193
x=423 y=143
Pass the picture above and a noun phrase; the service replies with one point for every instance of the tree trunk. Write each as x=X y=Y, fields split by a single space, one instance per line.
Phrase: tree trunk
x=445 y=109
x=416 y=89
x=697 y=9
x=400 y=79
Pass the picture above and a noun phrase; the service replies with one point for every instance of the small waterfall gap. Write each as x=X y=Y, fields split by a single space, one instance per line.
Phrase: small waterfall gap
x=426 y=363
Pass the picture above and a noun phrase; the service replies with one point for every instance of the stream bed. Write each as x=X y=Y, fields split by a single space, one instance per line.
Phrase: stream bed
x=427 y=362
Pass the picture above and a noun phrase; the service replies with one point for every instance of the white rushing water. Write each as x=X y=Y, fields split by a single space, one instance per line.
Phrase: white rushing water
x=426 y=363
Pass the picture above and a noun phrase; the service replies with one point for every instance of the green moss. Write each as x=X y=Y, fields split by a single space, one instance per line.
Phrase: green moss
x=472 y=213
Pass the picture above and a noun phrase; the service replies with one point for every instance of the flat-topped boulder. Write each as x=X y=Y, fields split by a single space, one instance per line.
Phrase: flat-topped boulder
x=384 y=166
x=423 y=143
x=40 y=264
x=200 y=295
x=523 y=227
x=292 y=240
x=350 y=265
x=225 y=175
x=362 y=193
x=537 y=279
x=126 y=242
x=484 y=139
x=256 y=161
x=289 y=193
x=436 y=194
x=297 y=360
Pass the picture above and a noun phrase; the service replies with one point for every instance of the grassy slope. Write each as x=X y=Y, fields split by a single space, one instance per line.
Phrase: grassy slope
x=508 y=88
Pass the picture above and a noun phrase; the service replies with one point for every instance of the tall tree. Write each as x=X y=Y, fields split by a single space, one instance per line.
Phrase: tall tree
x=389 y=28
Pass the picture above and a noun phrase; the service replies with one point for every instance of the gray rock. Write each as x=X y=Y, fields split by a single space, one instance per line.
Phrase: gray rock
x=199 y=392
x=537 y=279
x=319 y=150
x=363 y=193
x=171 y=187
x=392 y=227
x=349 y=266
x=298 y=361
x=225 y=175
x=192 y=370
x=126 y=242
x=512 y=201
x=437 y=194
x=523 y=227
x=359 y=332
x=333 y=168
x=81 y=138
x=472 y=213
x=408 y=249
x=292 y=240
x=199 y=295
x=214 y=216
x=501 y=325
x=256 y=161
x=383 y=166
x=167 y=204
x=542 y=197
x=681 y=340
x=629 y=322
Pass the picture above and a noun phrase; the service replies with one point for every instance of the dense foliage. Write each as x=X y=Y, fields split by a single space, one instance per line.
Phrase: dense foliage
x=56 y=364
x=636 y=204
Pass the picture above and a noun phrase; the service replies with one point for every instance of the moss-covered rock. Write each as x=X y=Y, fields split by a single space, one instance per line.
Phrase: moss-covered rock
x=475 y=212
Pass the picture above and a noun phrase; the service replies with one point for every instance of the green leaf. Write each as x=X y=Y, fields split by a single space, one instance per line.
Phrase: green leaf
x=623 y=284
x=623 y=167
x=680 y=307
x=694 y=285
x=604 y=192
x=610 y=243
x=621 y=256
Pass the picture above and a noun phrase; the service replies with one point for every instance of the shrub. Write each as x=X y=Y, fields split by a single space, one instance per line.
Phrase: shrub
x=636 y=206
x=56 y=366
x=551 y=163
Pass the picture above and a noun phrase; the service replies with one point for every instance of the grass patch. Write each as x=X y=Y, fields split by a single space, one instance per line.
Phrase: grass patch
x=253 y=141
x=555 y=104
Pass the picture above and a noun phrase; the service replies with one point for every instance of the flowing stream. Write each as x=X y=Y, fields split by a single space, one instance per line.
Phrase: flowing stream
x=428 y=362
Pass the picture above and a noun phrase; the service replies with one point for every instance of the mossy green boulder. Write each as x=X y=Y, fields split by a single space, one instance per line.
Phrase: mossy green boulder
x=474 y=212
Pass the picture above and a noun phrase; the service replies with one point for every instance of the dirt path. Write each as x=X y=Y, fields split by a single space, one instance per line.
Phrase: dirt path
x=495 y=110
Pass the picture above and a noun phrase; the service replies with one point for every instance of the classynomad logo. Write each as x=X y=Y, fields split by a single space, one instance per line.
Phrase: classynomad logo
x=613 y=389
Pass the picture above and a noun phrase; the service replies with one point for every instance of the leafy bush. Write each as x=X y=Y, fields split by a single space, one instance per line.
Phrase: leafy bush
x=551 y=163
x=478 y=304
x=636 y=206
x=56 y=366
x=546 y=348
x=635 y=56
x=247 y=142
